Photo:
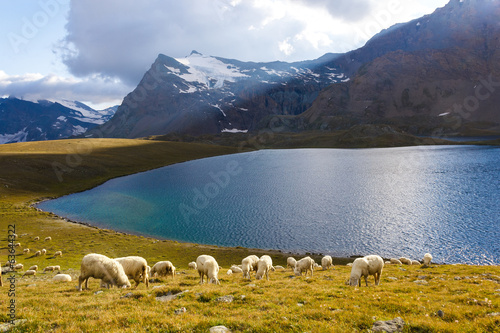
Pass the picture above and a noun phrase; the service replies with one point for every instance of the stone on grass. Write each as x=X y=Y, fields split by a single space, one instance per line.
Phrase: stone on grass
x=219 y=329
x=390 y=326
x=225 y=299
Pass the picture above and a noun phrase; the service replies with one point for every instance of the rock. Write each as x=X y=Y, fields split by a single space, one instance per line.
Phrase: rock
x=440 y=314
x=156 y=287
x=127 y=295
x=225 y=299
x=422 y=282
x=390 y=326
x=6 y=327
x=392 y=278
x=493 y=314
x=219 y=329
x=98 y=292
x=180 y=311
x=170 y=297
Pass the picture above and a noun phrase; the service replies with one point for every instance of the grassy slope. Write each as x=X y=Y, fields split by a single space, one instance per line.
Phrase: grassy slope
x=319 y=304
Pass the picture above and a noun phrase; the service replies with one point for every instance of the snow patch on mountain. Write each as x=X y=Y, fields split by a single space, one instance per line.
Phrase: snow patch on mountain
x=15 y=137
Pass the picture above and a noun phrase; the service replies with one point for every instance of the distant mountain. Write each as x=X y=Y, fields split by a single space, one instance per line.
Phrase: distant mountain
x=22 y=120
x=202 y=94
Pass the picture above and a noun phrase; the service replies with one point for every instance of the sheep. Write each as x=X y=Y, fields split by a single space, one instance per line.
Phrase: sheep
x=304 y=264
x=36 y=238
x=33 y=268
x=236 y=269
x=52 y=268
x=363 y=267
x=62 y=278
x=279 y=267
x=26 y=251
x=43 y=252
x=207 y=265
x=58 y=254
x=249 y=264
x=163 y=268
x=48 y=239
x=18 y=267
x=427 y=259
x=264 y=265
x=17 y=245
x=290 y=262
x=405 y=261
x=192 y=265
x=326 y=262
x=415 y=262
x=38 y=253
x=136 y=268
x=395 y=261
x=99 y=266
x=30 y=272
x=229 y=272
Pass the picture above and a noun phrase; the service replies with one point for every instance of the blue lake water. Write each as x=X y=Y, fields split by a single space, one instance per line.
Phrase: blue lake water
x=390 y=201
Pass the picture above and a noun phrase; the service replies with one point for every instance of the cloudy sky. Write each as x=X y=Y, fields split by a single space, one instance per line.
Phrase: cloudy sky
x=96 y=51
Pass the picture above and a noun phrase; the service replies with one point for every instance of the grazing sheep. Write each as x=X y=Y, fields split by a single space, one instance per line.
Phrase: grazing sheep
x=264 y=265
x=249 y=264
x=43 y=252
x=18 y=267
x=36 y=238
x=62 y=278
x=52 y=268
x=405 y=261
x=363 y=267
x=192 y=265
x=17 y=245
x=290 y=262
x=48 y=239
x=38 y=253
x=415 y=262
x=229 y=272
x=395 y=261
x=207 y=265
x=58 y=254
x=163 y=268
x=304 y=265
x=279 y=267
x=427 y=259
x=30 y=272
x=326 y=262
x=26 y=251
x=101 y=267
x=136 y=268
x=33 y=268
x=236 y=269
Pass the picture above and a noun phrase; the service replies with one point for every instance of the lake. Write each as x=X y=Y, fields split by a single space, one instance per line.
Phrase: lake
x=388 y=201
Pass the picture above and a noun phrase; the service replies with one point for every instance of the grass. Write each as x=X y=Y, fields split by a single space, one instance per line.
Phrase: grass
x=323 y=303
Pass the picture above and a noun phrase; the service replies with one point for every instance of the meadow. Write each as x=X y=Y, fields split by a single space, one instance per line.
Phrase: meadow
x=443 y=298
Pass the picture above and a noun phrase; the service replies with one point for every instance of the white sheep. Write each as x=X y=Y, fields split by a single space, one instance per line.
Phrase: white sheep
x=58 y=254
x=36 y=238
x=395 y=261
x=415 y=262
x=136 y=268
x=363 y=267
x=192 y=265
x=236 y=269
x=281 y=268
x=18 y=267
x=26 y=251
x=48 y=239
x=98 y=266
x=290 y=262
x=249 y=264
x=405 y=261
x=427 y=259
x=207 y=265
x=163 y=268
x=62 y=278
x=17 y=245
x=304 y=265
x=30 y=272
x=38 y=253
x=229 y=272
x=326 y=262
x=43 y=252
x=52 y=268
x=264 y=265
x=33 y=268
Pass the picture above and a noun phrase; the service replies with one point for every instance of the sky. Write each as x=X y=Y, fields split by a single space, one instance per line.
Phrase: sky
x=96 y=51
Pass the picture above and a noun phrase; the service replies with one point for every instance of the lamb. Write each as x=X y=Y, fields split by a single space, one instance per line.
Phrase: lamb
x=264 y=265
x=136 y=268
x=304 y=265
x=207 y=265
x=192 y=265
x=395 y=261
x=48 y=239
x=427 y=259
x=363 y=267
x=52 y=268
x=290 y=262
x=43 y=252
x=405 y=261
x=58 y=254
x=26 y=251
x=101 y=267
x=18 y=267
x=249 y=264
x=30 y=272
x=62 y=278
x=33 y=268
x=236 y=269
x=38 y=253
x=326 y=262
x=163 y=268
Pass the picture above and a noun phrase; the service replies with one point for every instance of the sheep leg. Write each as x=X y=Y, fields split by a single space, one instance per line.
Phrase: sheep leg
x=366 y=280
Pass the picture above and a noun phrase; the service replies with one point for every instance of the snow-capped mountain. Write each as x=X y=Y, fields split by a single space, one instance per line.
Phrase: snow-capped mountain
x=202 y=94
x=22 y=120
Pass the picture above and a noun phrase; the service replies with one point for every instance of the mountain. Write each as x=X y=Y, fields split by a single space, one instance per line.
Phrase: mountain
x=22 y=120
x=202 y=94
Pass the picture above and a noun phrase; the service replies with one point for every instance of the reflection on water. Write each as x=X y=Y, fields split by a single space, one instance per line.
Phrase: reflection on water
x=393 y=202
